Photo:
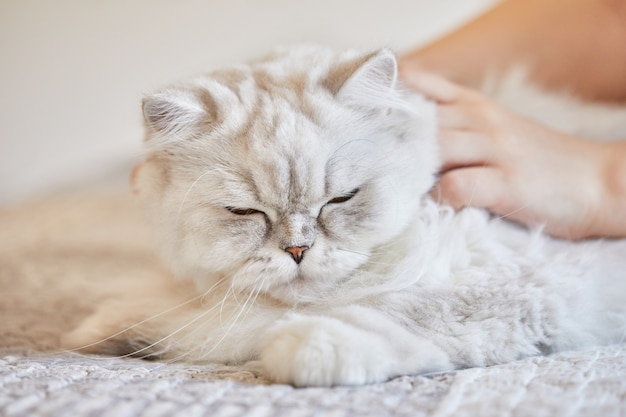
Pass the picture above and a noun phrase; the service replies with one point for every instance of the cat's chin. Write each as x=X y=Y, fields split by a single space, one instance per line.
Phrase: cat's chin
x=300 y=289
x=289 y=290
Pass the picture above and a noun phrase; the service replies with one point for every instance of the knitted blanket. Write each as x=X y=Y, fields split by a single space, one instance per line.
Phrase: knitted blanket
x=55 y=253
x=589 y=383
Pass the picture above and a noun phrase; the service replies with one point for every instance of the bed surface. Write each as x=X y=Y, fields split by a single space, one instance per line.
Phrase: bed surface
x=587 y=383
x=55 y=253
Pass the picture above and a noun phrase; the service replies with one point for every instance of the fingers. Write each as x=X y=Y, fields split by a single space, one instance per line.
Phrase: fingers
x=432 y=86
x=459 y=149
x=458 y=107
x=458 y=116
x=471 y=173
x=482 y=187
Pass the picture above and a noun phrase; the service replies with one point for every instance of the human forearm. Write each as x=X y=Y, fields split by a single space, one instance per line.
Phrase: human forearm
x=577 y=45
x=610 y=220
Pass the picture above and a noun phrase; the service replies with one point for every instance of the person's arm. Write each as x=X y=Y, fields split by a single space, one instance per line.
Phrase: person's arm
x=576 y=45
x=522 y=170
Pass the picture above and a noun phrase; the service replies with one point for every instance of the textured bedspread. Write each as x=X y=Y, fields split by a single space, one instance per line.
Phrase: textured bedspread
x=588 y=383
x=54 y=257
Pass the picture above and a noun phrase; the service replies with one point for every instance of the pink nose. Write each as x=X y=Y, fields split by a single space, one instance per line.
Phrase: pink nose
x=297 y=252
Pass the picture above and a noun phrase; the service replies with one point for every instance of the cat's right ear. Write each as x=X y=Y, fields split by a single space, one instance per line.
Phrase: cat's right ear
x=177 y=112
x=366 y=81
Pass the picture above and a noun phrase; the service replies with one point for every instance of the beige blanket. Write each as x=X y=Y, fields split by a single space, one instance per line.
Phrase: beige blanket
x=57 y=259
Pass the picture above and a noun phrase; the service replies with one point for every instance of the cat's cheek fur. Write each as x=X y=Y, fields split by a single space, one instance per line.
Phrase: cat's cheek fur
x=314 y=279
x=200 y=242
x=330 y=262
x=264 y=271
x=326 y=351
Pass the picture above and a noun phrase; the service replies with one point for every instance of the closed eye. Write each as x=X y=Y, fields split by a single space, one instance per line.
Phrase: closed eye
x=343 y=198
x=243 y=211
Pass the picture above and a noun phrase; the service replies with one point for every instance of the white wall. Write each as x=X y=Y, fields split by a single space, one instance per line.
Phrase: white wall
x=73 y=72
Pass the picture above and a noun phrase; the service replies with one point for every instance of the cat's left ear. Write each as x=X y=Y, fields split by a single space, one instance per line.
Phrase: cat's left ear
x=366 y=80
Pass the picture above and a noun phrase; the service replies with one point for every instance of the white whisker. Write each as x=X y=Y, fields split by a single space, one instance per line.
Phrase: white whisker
x=231 y=326
x=200 y=297
x=170 y=335
x=512 y=212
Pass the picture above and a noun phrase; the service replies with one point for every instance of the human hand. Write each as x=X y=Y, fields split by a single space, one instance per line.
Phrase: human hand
x=514 y=167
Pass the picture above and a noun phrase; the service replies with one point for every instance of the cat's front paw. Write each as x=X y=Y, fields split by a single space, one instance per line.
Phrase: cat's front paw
x=316 y=352
x=322 y=351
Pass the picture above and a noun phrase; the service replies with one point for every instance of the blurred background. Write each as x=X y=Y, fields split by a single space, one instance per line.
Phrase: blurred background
x=73 y=71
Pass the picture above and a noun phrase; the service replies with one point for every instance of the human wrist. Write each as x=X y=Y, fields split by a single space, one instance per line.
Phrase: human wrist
x=610 y=218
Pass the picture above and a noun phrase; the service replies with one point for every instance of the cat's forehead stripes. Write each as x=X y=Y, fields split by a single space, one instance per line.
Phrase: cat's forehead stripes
x=286 y=180
x=277 y=143
x=262 y=86
x=272 y=82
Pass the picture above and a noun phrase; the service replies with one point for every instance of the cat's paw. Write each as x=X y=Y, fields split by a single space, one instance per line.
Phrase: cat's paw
x=322 y=351
x=318 y=352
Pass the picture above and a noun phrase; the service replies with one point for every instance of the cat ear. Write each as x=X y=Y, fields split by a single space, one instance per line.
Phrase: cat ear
x=177 y=111
x=366 y=80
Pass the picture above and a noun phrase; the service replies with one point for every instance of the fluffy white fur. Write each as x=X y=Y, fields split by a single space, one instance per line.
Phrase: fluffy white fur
x=327 y=152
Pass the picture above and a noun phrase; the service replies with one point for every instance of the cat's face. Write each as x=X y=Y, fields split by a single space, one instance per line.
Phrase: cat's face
x=286 y=176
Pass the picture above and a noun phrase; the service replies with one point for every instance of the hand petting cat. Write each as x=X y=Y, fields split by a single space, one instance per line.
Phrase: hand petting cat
x=520 y=169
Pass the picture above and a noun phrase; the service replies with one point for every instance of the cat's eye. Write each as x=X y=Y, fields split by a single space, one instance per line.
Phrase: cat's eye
x=243 y=211
x=343 y=198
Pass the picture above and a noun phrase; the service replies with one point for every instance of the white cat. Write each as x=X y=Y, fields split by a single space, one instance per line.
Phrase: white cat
x=293 y=193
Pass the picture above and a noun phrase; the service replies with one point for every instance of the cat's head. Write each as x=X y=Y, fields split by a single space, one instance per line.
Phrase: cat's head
x=287 y=175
